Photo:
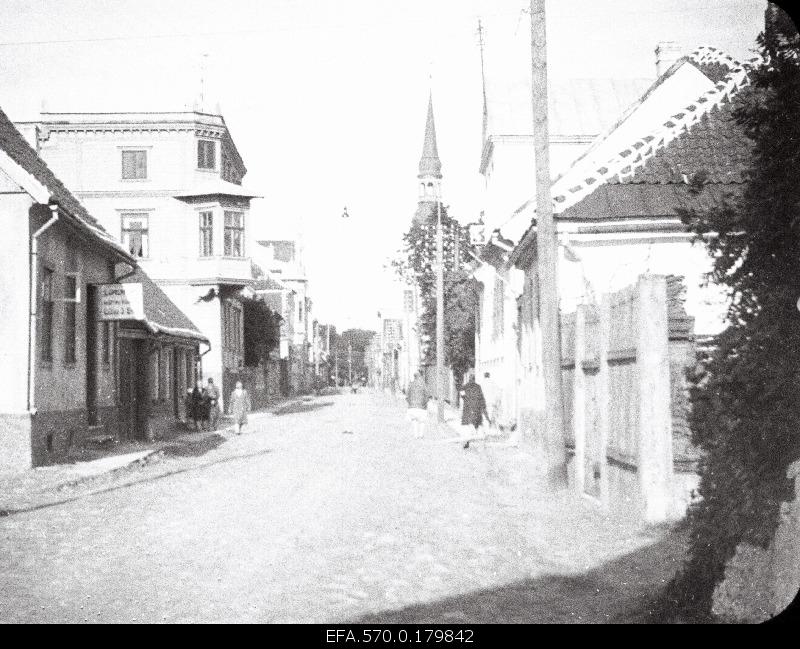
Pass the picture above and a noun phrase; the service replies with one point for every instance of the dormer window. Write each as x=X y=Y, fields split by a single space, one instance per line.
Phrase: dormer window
x=206 y=154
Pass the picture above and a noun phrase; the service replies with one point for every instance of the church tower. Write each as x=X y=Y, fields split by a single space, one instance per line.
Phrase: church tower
x=430 y=170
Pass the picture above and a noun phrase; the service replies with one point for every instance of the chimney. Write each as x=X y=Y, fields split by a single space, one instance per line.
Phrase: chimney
x=667 y=52
x=30 y=132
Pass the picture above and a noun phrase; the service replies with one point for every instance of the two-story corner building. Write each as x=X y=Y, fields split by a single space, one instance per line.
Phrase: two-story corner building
x=282 y=260
x=75 y=355
x=169 y=187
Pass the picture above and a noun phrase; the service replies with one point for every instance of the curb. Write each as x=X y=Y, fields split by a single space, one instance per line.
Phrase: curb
x=130 y=483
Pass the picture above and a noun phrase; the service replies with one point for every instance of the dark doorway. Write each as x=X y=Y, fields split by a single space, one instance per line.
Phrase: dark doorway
x=91 y=354
x=132 y=389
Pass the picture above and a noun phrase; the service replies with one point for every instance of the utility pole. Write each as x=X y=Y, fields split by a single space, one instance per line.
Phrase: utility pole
x=547 y=253
x=336 y=365
x=317 y=350
x=350 y=361
x=440 y=380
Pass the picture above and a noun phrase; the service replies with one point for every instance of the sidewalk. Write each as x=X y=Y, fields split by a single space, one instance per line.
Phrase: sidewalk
x=124 y=464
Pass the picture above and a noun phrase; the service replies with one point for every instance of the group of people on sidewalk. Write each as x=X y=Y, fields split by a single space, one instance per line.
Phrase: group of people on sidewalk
x=202 y=406
x=473 y=403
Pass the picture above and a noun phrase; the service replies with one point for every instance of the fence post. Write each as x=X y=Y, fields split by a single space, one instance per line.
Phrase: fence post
x=655 y=421
x=603 y=405
x=579 y=398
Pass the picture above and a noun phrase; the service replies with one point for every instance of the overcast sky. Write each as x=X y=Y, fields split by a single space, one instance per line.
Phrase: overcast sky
x=326 y=101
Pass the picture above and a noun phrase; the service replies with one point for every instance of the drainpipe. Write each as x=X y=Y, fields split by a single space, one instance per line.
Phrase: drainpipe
x=34 y=282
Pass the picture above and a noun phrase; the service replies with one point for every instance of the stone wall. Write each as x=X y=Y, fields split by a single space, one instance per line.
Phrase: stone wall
x=761 y=583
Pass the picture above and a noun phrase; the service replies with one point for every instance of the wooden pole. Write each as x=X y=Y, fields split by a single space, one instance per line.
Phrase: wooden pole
x=440 y=380
x=547 y=254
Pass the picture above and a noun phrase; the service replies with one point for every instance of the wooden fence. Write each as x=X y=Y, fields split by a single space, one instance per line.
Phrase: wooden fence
x=623 y=375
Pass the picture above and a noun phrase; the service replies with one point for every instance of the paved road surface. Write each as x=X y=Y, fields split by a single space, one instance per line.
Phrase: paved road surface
x=332 y=526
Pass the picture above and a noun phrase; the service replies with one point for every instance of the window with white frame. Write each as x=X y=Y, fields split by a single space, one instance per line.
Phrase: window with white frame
x=134 y=164
x=206 y=154
x=206 y=233
x=136 y=233
x=234 y=234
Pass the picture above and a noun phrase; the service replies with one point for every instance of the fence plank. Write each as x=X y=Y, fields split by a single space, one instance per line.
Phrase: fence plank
x=579 y=398
x=603 y=334
x=654 y=420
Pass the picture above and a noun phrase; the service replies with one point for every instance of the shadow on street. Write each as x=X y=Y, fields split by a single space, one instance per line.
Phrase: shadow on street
x=194 y=447
x=294 y=408
x=620 y=591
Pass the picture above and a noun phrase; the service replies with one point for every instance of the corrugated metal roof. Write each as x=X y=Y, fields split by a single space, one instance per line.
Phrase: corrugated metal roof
x=583 y=107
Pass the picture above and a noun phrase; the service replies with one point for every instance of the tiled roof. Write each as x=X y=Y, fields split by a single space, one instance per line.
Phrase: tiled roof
x=161 y=314
x=715 y=145
x=18 y=149
x=590 y=172
x=650 y=173
x=715 y=150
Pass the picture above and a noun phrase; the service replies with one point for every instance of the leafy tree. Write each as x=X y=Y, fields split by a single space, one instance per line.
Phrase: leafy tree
x=418 y=265
x=746 y=400
x=351 y=344
x=261 y=331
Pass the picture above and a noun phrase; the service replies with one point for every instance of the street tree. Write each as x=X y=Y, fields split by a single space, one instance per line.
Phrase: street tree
x=417 y=264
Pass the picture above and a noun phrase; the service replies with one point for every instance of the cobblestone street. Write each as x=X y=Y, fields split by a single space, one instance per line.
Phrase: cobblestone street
x=342 y=517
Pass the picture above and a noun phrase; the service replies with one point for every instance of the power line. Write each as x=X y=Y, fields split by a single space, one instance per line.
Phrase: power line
x=235 y=32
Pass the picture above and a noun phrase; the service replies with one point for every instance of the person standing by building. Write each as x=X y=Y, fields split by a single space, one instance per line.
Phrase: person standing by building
x=212 y=393
x=239 y=406
x=199 y=401
x=474 y=404
x=417 y=398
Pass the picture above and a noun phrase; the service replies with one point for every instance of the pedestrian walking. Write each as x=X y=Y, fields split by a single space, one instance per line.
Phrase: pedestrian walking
x=417 y=398
x=239 y=405
x=474 y=404
x=199 y=403
x=212 y=394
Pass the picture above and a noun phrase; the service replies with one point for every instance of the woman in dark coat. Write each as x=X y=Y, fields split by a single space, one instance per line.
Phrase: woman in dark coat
x=474 y=404
x=200 y=405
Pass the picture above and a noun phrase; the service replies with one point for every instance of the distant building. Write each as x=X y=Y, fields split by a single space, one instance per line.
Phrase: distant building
x=90 y=346
x=168 y=185
x=282 y=261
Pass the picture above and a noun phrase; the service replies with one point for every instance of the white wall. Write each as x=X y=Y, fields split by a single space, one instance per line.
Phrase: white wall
x=14 y=281
x=608 y=268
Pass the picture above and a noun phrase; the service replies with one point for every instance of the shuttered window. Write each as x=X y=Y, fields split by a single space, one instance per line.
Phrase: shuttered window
x=134 y=165
x=206 y=154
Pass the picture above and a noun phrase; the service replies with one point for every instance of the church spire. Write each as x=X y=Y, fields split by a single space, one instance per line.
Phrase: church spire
x=429 y=164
